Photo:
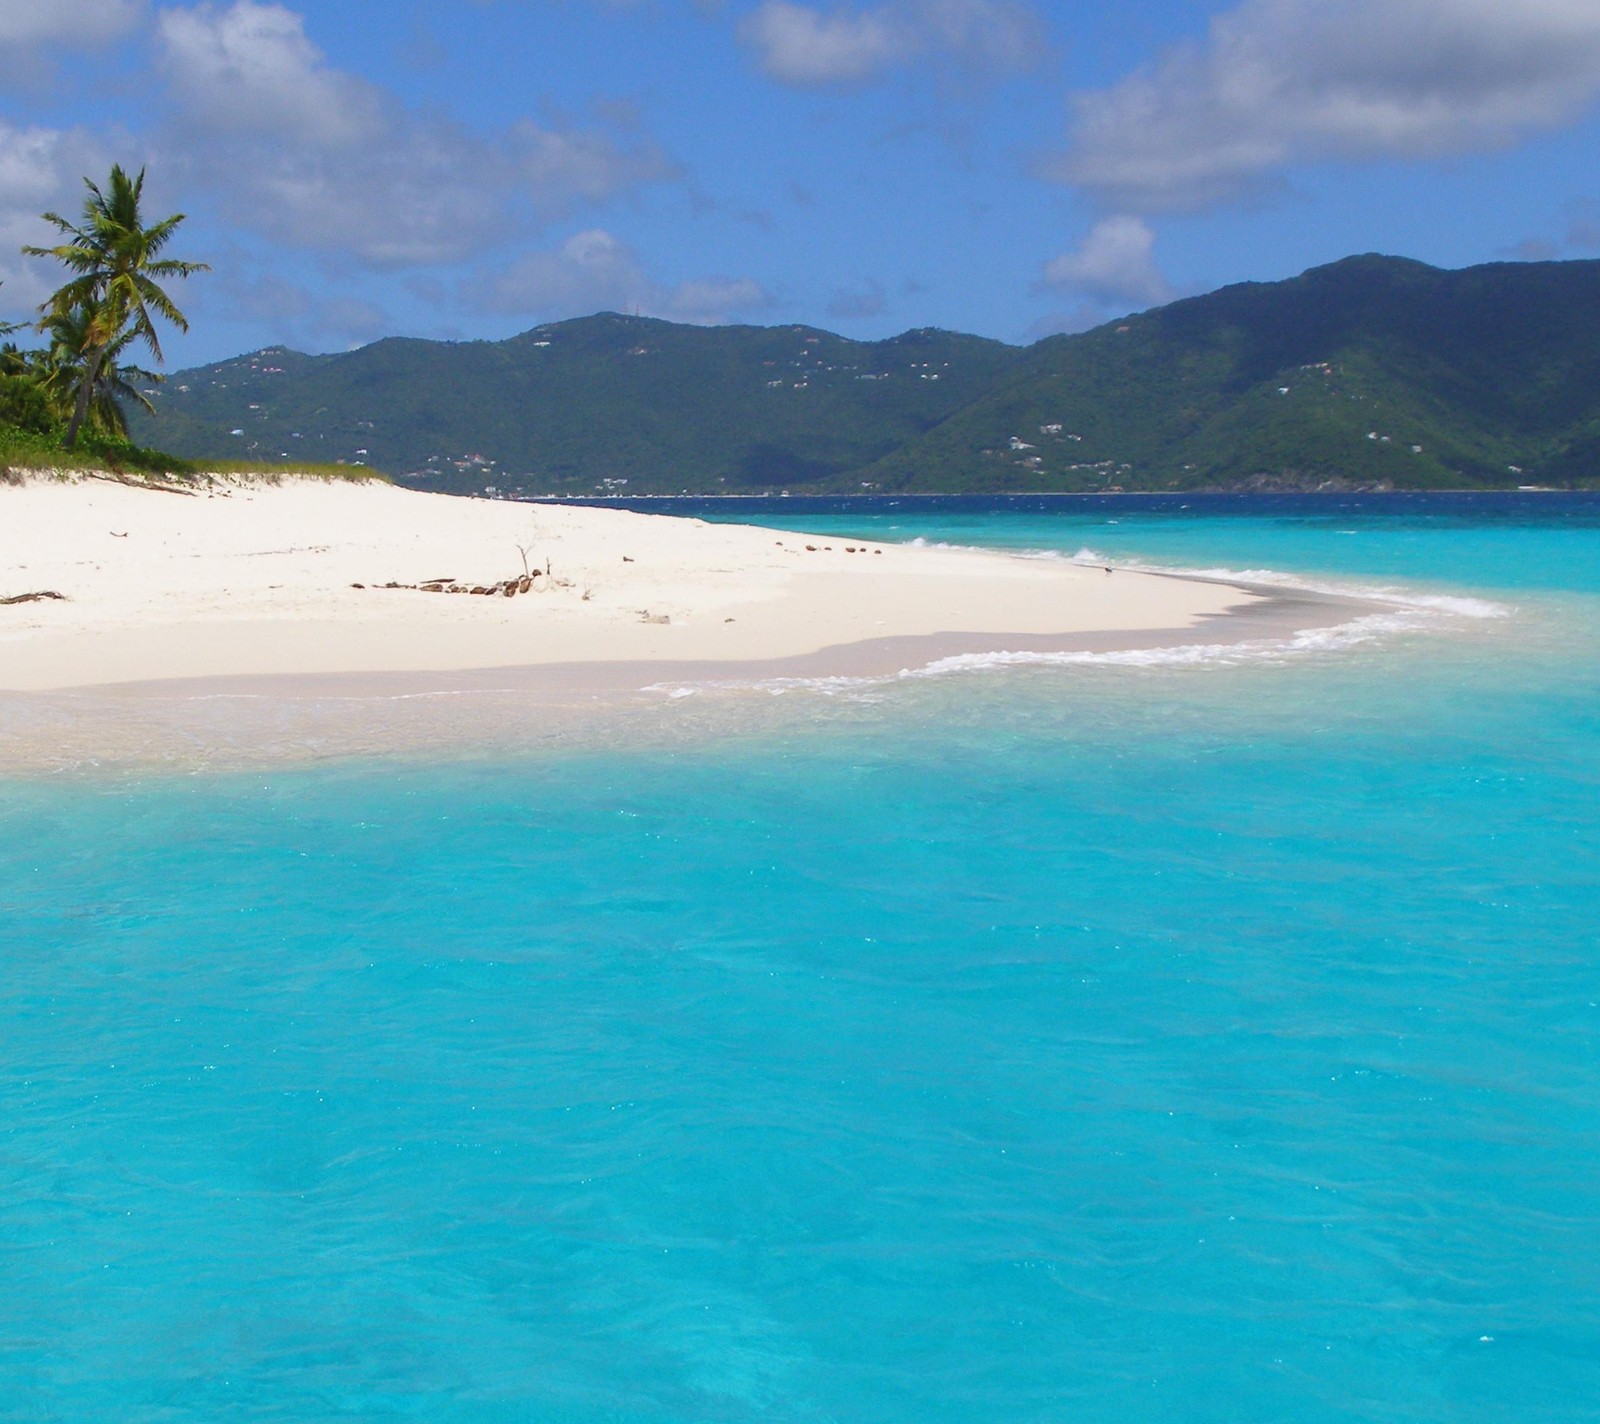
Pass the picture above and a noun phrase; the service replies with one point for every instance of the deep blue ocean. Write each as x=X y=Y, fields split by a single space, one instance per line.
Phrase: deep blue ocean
x=1208 y=1038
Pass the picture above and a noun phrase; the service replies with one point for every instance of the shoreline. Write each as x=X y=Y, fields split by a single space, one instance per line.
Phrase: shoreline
x=870 y=496
x=246 y=723
x=1276 y=613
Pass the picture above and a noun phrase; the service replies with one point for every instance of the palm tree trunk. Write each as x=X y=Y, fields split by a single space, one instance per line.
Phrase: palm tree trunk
x=80 y=409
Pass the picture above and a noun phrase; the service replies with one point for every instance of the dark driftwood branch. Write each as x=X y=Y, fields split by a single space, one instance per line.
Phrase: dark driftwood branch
x=34 y=597
x=121 y=479
x=508 y=588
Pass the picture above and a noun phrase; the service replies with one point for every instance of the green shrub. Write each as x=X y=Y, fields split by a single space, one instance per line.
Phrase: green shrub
x=24 y=405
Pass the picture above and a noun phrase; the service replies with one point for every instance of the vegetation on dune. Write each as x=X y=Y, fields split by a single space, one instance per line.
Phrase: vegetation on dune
x=97 y=387
x=272 y=471
x=66 y=403
x=112 y=298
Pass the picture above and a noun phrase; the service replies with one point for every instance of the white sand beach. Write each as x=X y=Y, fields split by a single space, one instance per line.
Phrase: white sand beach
x=245 y=578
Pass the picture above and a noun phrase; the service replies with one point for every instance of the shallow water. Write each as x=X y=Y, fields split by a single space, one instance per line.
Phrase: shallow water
x=1209 y=1039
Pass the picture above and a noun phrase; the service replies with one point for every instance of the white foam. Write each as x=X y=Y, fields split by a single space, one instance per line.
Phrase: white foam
x=781 y=686
x=1311 y=640
x=1408 y=611
x=1455 y=605
x=1419 y=616
x=1367 y=629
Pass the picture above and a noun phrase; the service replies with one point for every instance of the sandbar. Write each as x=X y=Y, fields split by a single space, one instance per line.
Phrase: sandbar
x=290 y=579
x=242 y=619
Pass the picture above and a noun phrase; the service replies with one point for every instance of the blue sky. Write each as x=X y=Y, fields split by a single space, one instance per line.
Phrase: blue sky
x=354 y=169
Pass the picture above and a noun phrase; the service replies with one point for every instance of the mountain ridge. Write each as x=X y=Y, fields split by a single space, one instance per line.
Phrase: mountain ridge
x=1370 y=372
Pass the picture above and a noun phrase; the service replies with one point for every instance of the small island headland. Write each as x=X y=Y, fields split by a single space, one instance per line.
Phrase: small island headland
x=350 y=587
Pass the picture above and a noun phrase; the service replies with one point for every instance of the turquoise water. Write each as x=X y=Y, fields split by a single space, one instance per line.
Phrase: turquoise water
x=1212 y=1041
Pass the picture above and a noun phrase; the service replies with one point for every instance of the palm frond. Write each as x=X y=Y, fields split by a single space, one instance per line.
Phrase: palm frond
x=171 y=267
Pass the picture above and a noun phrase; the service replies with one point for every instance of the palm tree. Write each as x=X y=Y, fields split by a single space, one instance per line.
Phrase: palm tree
x=114 y=297
x=60 y=373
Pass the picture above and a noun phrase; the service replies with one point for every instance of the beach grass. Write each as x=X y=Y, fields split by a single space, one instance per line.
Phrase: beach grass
x=25 y=453
x=272 y=473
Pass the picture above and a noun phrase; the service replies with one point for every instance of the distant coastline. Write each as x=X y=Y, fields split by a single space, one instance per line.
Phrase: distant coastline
x=1582 y=496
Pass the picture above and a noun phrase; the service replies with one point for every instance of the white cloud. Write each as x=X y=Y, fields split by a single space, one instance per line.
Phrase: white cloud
x=595 y=271
x=1114 y=263
x=251 y=69
x=801 y=46
x=81 y=24
x=996 y=35
x=40 y=169
x=314 y=157
x=805 y=46
x=295 y=316
x=707 y=301
x=267 y=298
x=1281 y=82
x=561 y=169
x=344 y=323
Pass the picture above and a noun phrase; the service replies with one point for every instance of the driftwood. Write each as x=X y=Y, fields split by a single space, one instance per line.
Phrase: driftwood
x=164 y=486
x=504 y=588
x=39 y=597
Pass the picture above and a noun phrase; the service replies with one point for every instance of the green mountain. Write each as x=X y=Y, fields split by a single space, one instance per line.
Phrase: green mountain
x=605 y=402
x=1370 y=372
